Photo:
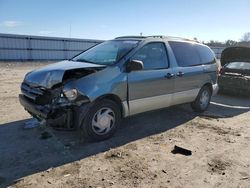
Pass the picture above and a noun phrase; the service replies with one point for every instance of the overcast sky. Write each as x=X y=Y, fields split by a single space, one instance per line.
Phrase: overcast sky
x=106 y=19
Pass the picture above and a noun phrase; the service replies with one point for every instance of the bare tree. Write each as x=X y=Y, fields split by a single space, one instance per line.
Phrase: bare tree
x=215 y=43
x=246 y=37
x=231 y=43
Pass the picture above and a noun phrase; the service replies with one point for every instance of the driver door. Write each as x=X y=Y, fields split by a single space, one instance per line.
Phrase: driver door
x=150 y=88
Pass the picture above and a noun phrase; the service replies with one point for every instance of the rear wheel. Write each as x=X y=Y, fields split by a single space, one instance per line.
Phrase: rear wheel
x=101 y=121
x=202 y=101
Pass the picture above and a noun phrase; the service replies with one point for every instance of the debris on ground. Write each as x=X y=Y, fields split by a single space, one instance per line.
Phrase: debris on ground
x=164 y=171
x=218 y=166
x=180 y=150
x=245 y=178
x=115 y=153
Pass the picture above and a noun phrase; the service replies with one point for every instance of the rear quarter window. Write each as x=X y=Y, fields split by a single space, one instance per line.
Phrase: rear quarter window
x=185 y=53
x=206 y=54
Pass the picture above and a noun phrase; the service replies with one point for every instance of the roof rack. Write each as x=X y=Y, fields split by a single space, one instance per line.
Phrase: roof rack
x=158 y=36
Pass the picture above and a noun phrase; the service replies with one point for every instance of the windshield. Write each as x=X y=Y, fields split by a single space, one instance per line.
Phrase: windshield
x=107 y=53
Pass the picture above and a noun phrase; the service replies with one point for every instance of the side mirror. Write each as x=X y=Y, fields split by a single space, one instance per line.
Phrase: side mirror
x=134 y=65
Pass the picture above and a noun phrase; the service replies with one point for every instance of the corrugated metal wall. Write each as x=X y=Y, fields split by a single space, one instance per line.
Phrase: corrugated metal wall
x=24 y=47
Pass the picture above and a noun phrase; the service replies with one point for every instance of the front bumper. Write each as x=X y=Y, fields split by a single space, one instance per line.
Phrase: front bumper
x=37 y=110
x=64 y=116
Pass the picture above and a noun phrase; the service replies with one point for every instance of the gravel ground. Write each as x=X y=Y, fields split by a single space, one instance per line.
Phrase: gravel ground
x=139 y=155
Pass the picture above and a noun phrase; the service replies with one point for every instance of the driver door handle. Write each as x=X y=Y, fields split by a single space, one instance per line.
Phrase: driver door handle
x=169 y=75
x=180 y=74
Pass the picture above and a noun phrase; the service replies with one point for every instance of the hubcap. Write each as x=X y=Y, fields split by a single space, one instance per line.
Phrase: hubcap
x=103 y=121
x=204 y=100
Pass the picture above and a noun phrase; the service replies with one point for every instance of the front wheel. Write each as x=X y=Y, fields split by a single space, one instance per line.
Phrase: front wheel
x=202 y=101
x=101 y=121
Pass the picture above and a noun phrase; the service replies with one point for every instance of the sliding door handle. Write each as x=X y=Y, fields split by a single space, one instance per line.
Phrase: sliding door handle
x=169 y=75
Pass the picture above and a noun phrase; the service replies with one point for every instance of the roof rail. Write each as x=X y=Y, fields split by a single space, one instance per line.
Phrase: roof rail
x=159 y=36
x=142 y=37
x=181 y=38
x=172 y=37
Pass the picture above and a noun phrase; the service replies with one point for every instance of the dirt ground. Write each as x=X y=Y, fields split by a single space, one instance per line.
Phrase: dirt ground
x=139 y=155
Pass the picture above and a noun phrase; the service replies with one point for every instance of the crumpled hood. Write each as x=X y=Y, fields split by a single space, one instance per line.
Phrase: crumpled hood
x=51 y=75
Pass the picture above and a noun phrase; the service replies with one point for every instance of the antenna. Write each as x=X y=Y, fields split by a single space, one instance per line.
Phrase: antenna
x=70 y=30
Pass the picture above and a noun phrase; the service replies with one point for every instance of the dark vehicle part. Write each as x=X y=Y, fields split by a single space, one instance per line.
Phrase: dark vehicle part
x=202 y=101
x=102 y=120
x=181 y=150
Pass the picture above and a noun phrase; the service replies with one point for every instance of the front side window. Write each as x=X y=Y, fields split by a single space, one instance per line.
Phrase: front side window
x=153 y=56
x=185 y=53
x=107 y=53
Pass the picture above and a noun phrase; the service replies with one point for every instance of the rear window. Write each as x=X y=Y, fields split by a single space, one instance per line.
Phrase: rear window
x=185 y=53
x=206 y=55
x=238 y=65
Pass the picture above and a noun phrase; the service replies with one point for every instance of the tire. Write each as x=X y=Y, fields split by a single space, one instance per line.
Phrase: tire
x=202 y=100
x=101 y=120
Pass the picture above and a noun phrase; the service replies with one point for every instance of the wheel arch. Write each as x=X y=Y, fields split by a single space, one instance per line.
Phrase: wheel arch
x=209 y=85
x=115 y=99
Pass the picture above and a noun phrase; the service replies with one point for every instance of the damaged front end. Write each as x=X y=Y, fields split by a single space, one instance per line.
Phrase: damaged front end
x=56 y=103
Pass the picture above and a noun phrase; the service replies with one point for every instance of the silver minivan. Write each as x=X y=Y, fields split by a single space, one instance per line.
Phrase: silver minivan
x=94 y=90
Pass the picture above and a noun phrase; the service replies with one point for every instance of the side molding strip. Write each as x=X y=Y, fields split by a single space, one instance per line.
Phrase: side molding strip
x=161 y=101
